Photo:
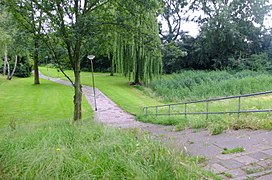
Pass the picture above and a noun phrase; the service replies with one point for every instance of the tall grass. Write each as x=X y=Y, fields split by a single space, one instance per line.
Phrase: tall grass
x=60 y=150
x=192 y=85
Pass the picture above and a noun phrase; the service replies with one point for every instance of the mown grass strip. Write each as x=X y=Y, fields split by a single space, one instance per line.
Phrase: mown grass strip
x=21 y=101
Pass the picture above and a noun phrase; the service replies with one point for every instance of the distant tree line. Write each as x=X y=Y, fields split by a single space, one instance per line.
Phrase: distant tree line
x=232 y=35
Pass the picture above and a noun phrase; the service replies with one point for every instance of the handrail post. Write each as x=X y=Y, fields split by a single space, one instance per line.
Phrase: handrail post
x=185 y=110
x=168 y=110
x=207 y=110
x=239 y=106
x=145 y=111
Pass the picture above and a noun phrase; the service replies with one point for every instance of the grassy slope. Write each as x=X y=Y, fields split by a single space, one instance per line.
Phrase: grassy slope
x=116 y=88
x=21 y=101
x=57 y=149
x=60 y=150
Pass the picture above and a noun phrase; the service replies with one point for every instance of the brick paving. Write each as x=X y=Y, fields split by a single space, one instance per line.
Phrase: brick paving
x=254 y=163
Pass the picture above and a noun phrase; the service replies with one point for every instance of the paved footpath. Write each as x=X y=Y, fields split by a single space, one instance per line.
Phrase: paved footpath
x=254 y=163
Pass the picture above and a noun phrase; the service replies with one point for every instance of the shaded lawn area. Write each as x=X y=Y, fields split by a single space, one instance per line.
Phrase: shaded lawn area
x=117 y=88
x=22 y=101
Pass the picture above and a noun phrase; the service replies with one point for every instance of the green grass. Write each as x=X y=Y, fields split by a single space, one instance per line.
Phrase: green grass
x=60 y=150
x=232 y=151
x=131 y=98
x=43 y=143
x=21 y=101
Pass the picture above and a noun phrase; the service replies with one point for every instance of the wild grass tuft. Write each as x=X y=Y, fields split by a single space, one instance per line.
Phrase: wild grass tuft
x=232 y=151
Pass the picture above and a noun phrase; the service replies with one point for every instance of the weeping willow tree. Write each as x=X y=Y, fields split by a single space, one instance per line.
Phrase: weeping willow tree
x=136 y=53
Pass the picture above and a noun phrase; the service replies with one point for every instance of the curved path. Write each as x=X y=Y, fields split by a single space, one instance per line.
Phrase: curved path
x=255 y=162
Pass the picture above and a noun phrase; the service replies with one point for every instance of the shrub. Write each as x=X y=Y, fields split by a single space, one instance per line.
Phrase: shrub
x=23 y=69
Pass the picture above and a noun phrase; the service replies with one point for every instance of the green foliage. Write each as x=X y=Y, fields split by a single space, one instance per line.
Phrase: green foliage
x=229 y=30
x=256 y=62
x=172 y=57
x=23 y=68
x=231 y=33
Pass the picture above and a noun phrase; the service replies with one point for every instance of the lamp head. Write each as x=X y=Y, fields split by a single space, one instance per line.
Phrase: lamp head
x=91 y=57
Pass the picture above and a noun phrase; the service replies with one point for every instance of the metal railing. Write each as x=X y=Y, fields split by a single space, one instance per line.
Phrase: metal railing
x=169 y=112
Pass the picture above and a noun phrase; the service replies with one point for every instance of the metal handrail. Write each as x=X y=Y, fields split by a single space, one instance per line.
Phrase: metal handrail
x=145 y=109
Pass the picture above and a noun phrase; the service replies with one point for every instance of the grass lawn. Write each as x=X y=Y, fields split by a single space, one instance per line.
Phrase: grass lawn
x=22 y=101
x=117 y=88
x=46 y=145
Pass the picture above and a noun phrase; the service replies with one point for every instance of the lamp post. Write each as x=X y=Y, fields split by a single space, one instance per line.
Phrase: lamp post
x=91 y=57
x=46 y=58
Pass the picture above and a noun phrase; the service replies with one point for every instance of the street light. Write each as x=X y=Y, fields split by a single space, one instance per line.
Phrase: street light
x=46 y=58
x=91 y=57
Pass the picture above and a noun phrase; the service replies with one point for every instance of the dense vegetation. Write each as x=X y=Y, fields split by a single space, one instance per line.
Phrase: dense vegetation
x=193 y=85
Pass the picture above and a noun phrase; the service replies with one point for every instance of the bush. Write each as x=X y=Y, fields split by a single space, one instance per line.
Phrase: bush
x=23 y=68
x=256 y=62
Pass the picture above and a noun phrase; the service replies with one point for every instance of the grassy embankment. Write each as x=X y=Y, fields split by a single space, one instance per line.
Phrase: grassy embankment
x=46 y=145
x=188 y=86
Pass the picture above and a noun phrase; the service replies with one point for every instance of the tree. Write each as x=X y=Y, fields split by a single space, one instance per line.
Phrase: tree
x=172 y=15
x=29 y=17
x=5 y=37
x=229 y=29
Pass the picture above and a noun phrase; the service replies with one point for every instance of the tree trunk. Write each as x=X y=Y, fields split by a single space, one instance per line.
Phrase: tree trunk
x=77 y=85
x=77 y=97
x=8 y=69
x=112 y=66
x=137 y=74
x=5 y=61
x=36 y=60
x=137 y=71
x=14 y=68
